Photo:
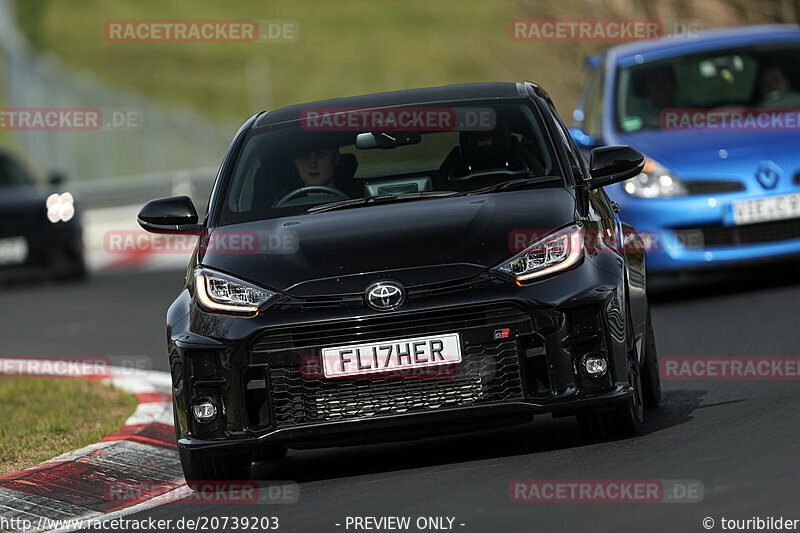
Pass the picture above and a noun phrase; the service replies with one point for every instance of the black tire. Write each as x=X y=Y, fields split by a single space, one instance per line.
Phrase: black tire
x=271 y=452
x=624 y=419
x=651 y=379
x=627 y=417
x=211 y=468
x=76 y=272
x=595 y=426
x=214 y=468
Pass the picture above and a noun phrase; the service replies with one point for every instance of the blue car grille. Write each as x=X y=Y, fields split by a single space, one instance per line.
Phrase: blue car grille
x=718 y=235
x=701 y=187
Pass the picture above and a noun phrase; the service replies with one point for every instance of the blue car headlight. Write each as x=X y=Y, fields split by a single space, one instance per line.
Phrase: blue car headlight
x=655 y=181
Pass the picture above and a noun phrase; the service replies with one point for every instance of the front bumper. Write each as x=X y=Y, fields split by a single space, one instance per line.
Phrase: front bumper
x=689 y=233
x=53 y=249
x=255 y=374
x=398 y=427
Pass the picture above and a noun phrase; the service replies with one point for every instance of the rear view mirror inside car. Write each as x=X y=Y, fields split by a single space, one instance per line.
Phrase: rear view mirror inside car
x=385 y=139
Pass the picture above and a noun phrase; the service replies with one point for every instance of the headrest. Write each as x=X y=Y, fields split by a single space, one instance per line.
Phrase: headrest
x=486 y=149
x=346 y=169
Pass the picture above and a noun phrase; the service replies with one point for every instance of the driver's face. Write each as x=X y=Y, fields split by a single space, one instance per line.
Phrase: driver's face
x=316 y=168
x=772 y=80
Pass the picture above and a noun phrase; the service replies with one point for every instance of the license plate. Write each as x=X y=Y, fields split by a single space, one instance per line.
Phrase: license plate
x=391 y=356
x=13 y=251
x=765 y=209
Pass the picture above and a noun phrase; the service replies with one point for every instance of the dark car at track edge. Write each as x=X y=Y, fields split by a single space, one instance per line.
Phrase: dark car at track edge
x=402 y=265
x=41 y=235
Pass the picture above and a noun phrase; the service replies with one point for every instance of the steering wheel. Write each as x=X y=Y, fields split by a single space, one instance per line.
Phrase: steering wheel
x=305 y=191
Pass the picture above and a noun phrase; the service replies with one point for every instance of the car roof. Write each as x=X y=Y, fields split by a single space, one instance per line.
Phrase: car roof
x=427 y=95
x=626 y=54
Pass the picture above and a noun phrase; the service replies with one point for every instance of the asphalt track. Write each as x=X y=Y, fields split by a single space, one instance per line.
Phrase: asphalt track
x=739 y=438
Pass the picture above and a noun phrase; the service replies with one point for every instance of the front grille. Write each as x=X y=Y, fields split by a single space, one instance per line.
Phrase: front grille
x=488 y=372
x=702 y=187
x=356 y=301
x=382 y=327
x=718 y=235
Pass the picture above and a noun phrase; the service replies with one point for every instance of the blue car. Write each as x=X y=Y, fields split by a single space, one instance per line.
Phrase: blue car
x=714 y=191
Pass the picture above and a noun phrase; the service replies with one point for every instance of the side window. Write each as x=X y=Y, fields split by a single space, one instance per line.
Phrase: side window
x=593 y=103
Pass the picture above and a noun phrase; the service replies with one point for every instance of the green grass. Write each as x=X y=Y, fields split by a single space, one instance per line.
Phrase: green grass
x=344 y=48
x=44 y=417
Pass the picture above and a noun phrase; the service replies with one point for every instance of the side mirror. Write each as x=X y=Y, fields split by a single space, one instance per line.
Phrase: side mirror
x=613 y=164
x=57 y=178
x=582 y=139
x=170 y=215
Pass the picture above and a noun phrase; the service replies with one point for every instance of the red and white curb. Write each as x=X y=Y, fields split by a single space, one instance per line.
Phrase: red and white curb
x=83 y=483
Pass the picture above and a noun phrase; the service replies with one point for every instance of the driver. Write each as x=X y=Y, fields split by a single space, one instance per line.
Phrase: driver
x=321 y=166
x=774 y=88
x=317 y=167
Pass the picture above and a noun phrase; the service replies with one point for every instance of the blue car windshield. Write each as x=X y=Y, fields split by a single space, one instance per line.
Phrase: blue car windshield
x=763 y=76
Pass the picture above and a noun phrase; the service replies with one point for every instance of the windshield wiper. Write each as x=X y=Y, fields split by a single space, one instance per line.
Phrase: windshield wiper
x=405 y=197
x=514 y=184
x=380 y=199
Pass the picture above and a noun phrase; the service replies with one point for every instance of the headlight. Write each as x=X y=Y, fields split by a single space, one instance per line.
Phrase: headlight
x=554 y=253
x=655 y=181
x=60 y=207
x=219 y=292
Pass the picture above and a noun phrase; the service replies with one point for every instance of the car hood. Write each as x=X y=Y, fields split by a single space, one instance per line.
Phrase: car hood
x=22 y=197
x=415 y=243
x=725 y=154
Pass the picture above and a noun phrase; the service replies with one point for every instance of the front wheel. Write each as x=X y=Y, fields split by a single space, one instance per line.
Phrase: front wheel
x=651 y=380
x=627 y=416
x=211 y=468
x=214 y=468
x=624 y=419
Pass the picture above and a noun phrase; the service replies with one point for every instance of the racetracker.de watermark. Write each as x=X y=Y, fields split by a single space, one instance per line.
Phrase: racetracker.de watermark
x=202 y=31
x=68 y=119
x=229 y=242
x=745 y=368
x=599 y=30
x=608 y=240
x=73 y=366
x=56 y=366
x=606 y=491
x=203 y=492
x=399 y=119
x=741 y=119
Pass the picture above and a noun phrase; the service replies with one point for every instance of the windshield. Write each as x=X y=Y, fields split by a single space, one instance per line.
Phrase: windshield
x=11 y=174
x=362 y=157
x=764 y=76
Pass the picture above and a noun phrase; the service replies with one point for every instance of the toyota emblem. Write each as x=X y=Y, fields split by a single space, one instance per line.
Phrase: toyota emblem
x=385 y=295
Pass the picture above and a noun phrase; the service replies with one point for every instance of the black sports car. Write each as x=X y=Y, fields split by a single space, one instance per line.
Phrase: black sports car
x=400 y=265
x=40 y=231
